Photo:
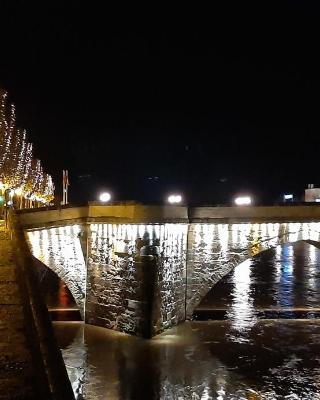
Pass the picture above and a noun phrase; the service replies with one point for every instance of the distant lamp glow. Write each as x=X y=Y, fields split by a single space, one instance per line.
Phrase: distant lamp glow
x=175 y=198
x=105 y=197
x=288 y=196
x=243 y=201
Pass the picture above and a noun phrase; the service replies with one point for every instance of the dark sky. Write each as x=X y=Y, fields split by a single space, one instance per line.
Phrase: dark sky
x=210 y=102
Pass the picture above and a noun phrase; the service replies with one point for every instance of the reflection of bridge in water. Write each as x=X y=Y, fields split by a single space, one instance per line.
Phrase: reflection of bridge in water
x=243 y=357
x=142 y=269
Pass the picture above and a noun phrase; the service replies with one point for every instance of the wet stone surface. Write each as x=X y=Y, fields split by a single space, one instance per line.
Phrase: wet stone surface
x=15 y=358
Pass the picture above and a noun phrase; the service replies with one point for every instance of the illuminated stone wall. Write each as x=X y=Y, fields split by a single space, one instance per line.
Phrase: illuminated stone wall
x=60 y=250
x=215 y=249
x=136 y=277
x=141 y=278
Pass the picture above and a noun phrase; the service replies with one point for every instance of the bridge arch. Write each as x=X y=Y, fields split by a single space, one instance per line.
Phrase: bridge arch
x=53 y=287
x=216 y=249
x=60 y=250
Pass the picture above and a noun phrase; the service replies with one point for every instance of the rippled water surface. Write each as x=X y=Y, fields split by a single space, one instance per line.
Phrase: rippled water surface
x=240 y=357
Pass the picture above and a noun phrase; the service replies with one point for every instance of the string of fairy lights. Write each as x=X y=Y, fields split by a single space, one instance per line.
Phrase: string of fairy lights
x=23 y=182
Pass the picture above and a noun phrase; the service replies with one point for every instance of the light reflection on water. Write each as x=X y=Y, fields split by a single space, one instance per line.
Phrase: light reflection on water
x=240 y=358
x=284 y=278
x=241 y=311
x=194 y=361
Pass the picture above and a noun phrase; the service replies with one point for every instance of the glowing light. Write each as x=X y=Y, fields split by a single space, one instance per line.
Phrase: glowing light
x=243 y=201
x=105 y=197
x=175 y=198
x=20 y=173
x=288 y=196
x=242 y=312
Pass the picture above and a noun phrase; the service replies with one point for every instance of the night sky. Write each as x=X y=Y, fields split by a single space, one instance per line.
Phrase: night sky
x=208 y=102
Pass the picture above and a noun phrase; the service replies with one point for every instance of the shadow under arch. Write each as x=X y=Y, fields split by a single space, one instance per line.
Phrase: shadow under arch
x=58 y=297
x=270 y=274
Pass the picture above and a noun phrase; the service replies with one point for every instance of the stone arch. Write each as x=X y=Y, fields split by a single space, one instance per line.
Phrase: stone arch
x=215 y=249
x=60 y=250
x=43 y=270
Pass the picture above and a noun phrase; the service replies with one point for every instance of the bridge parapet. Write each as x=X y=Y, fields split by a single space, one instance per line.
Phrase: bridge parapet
x=137 y=213
x=255 y=214
x=51 y=216
x=95 y=212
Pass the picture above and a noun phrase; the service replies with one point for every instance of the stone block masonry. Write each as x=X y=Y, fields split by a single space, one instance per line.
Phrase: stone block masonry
x=215 y=249
x=136 y=277
x=31 y=365
x=141 y=269
x=61 y=250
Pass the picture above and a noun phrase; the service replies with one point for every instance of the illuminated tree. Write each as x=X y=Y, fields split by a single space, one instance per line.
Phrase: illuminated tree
x=3 y=131
x=20 y=173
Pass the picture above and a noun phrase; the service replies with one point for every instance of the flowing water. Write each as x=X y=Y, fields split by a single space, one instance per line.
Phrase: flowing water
x=265 y=344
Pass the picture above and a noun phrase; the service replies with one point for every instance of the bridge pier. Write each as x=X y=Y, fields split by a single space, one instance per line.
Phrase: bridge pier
x=136 y=277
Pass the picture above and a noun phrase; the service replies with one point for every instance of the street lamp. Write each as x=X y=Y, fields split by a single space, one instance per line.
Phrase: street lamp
x=105 y=197
x=287 y=197
x=243 y=201
x=175 y=199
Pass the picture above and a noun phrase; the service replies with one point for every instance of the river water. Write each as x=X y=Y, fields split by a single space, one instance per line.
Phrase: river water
x=265 y=344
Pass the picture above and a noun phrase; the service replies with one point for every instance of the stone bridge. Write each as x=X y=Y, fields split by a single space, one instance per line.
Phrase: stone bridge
x=142 y=269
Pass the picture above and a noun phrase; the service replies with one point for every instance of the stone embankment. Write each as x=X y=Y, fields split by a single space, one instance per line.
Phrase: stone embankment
x=16 y=377
x=28 y=353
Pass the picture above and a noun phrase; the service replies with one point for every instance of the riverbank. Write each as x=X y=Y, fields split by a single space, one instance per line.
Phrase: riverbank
x=16 y=377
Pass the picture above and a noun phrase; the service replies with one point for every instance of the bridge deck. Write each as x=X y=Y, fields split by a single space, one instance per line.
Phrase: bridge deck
x=16 y=367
